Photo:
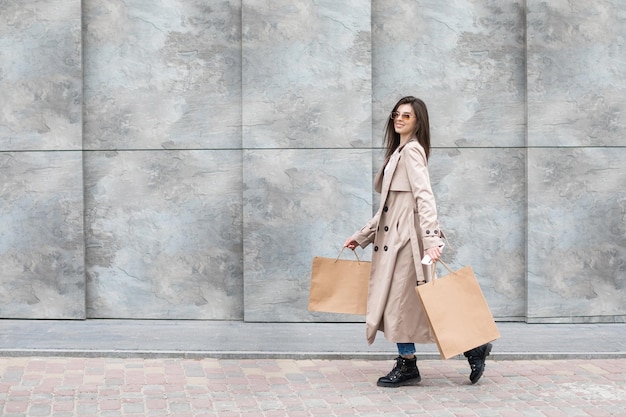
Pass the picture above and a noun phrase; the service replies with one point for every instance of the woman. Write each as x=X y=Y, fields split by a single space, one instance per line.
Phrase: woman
x=403 y=231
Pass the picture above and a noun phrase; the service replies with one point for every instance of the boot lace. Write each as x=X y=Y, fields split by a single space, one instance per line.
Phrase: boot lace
x=397 y=370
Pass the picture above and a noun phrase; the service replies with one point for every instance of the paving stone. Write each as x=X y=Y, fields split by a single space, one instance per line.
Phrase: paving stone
x=318 y=387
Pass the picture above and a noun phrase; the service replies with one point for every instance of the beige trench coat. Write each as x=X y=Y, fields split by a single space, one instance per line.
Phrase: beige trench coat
x=403 y=227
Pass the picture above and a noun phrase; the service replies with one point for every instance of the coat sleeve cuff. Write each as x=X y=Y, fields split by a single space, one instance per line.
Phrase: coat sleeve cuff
x=432 y=238
x=363 y=238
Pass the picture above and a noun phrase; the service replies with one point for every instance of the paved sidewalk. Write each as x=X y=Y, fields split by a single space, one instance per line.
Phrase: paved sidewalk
x=175 y=387
x=154 y=368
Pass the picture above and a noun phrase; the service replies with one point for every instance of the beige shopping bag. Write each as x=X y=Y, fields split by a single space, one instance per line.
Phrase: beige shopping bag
x=339 y=285
x=457 y=312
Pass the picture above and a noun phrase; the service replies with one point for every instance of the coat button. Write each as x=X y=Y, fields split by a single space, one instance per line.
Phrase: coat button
x=375 y=248
x=386 y=228
x=385 y=248
x=386 y=209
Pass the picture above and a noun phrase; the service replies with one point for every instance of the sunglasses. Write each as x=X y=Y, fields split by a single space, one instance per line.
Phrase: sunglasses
x=404 y=116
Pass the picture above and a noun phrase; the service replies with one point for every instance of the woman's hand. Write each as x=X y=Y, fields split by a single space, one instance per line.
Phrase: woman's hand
x=434 y=253
x=351 y=244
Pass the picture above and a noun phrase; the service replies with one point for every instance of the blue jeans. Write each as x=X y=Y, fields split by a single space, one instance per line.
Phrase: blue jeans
x=406 y=349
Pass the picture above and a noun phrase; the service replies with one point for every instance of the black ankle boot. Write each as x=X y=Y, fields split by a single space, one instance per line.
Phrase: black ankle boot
x=476 y=358
x=405 y=372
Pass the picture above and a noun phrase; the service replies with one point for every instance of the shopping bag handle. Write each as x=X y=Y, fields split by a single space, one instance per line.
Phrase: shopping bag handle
x=434 y=269
x=341 y=251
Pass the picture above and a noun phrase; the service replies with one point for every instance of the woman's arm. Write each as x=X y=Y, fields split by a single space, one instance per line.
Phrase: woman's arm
x=365 y=235
x=419 y=178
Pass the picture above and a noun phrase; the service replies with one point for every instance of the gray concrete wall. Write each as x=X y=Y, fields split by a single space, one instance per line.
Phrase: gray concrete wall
x=576 y=160
x=187 y=159
x=42 y=237
x=163 y=160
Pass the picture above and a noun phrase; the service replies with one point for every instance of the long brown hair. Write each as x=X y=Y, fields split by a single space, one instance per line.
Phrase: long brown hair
x=422 y=127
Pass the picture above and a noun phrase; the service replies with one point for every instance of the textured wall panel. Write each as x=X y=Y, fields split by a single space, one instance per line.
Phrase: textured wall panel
x=164 y=227
x=576 y=73
x=481 y=195
x=41 y=232
x=306 y=74
x=577 y=234
x=298 y=204
x=576 y=197
x=41 y=235
x=164 y=234
x=464 y=59
x=162 y=74
x=40 y=75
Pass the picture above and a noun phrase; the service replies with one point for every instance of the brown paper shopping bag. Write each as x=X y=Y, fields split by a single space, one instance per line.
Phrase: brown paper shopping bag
x=339 y=285
x=457 y=312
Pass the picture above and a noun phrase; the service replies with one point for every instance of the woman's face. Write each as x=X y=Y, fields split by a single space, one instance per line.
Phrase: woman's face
x=404 y=121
